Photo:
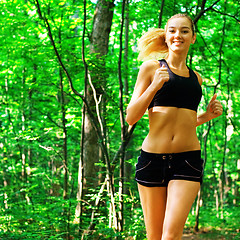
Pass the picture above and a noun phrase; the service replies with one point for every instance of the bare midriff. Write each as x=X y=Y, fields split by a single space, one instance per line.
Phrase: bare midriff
x=171 y=130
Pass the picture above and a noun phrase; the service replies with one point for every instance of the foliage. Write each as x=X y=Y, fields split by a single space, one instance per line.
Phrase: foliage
x=32 y=134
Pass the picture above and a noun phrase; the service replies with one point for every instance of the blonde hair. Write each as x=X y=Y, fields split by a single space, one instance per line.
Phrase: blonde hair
x=152 y=44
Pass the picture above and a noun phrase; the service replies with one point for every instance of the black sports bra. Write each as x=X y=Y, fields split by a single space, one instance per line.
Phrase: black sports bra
x=180 y=92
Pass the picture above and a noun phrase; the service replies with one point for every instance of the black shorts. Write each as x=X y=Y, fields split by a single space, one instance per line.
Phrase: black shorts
x=156 y=170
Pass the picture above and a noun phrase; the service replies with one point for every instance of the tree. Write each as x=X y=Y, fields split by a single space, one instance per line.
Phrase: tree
x=54 y=56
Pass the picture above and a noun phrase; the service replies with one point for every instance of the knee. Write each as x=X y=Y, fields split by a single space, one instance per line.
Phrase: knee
x=170 y=236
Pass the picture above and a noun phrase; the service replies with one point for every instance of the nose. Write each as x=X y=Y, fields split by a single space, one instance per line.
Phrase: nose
x=178 y=34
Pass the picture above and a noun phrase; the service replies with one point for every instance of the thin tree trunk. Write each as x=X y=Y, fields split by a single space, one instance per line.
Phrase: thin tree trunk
x=126 y=46
x=65 y=151
x=161 y=14
x=24 y=151
x=196 y=227
x=65 y=136
x=222 y=172
x=216 y=202
x=128 y=154
x=198 y=16
x=122 y=120
x=30 y=93
x=78 y=211
x=63 y=100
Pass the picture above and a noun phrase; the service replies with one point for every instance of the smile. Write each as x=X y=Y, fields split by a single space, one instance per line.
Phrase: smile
x=177 y=42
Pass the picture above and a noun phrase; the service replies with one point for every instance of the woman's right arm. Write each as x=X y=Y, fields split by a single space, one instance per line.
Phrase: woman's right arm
x=150 y=79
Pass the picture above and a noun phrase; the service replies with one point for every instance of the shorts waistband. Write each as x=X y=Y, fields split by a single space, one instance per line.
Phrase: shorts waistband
x=163 y=156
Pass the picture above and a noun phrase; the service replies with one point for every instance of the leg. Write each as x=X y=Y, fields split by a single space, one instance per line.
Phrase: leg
x=153 y=200
x=180 y=197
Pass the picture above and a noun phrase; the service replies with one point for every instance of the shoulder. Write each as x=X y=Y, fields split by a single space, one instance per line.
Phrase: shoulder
x=200 y=80
x=150 y=64
x=149 y=67
x=146 y=73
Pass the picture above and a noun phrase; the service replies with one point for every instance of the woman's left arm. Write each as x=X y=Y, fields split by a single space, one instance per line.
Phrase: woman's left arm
x=214 y=109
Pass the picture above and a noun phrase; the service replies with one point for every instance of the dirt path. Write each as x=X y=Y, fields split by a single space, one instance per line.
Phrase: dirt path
x=190 y=237
x=211 y=236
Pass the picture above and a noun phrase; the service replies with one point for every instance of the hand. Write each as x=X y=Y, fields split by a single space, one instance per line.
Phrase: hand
x=160 y=77
x=214 y=108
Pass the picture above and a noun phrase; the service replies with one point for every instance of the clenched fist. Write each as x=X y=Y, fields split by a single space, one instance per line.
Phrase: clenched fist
x=160 y=77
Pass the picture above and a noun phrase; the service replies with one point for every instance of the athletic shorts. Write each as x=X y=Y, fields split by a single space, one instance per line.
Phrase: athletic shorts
x=156 y=170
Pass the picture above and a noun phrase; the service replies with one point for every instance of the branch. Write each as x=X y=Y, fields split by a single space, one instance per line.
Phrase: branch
x=56 y=51
x=124 y=143
x=202 y=11
x=234 y=125
x=51 y=149
x=220 y=54
x=49 y=117
x=212 y=54
x=97 y=202
x=97 y=102
x=226 y=14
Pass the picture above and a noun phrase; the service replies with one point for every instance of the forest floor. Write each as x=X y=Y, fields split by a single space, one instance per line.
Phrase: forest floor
x=211 y=235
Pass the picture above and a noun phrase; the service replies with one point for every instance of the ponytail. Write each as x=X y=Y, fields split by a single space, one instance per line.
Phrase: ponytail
x=152 y=45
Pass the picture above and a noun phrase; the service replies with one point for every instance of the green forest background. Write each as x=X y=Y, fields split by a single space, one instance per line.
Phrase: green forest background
x=67 y=156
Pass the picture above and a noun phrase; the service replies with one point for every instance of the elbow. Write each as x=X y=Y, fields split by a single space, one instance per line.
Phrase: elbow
x=130 y=119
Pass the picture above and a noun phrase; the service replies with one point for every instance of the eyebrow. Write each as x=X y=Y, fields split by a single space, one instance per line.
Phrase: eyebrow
x=181 y=27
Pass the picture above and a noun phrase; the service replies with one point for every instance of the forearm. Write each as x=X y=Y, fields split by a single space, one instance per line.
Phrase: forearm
x=136 y=109
x=203 y=118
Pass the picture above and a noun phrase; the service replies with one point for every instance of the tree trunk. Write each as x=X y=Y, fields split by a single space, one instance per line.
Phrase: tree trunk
x=99 y=46
x=94 y=94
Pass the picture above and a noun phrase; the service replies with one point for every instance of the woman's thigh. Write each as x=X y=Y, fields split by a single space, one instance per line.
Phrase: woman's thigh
x=153 y=200
x=180 y=197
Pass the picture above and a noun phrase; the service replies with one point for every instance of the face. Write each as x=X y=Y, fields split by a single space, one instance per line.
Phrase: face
x=179 y=34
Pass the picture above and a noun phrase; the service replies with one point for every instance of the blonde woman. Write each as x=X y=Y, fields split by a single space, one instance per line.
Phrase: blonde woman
x=169 y=169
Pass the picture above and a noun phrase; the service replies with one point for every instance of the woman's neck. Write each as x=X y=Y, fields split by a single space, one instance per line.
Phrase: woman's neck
x=176 y=61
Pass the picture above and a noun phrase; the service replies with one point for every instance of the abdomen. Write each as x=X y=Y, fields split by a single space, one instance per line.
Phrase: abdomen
x=171 y=130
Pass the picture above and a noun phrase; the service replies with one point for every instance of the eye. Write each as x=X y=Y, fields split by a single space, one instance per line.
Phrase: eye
x=185 y=31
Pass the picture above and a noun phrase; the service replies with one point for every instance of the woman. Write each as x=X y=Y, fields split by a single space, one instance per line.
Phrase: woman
x=169 y=169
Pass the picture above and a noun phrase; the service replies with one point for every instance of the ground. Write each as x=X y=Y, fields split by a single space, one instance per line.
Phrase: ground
x=211 y=235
